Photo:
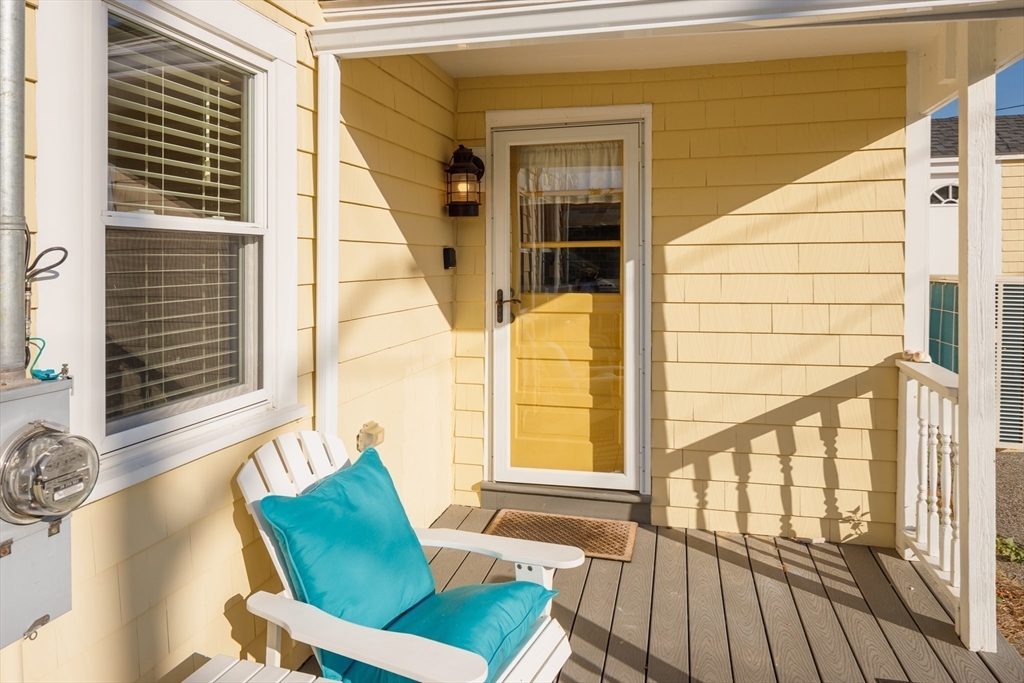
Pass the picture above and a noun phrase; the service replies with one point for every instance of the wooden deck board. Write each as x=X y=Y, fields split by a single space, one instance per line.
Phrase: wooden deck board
x=668 y=657
x=709 y=640
x=1005 y=664
x=932 y=620
x=695 y=607
x=876 y=659
x=627 y=647
x=748 y=644
x=451 y=518
x=791 y=653
x=447 y=562
x=906 y=640
x=569 y=584
x=832 y=652
x=592 y=627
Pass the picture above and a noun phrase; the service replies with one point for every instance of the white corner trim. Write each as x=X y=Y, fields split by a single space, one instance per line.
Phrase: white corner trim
x=918 y=191
x=143 y=461
x=328 y=173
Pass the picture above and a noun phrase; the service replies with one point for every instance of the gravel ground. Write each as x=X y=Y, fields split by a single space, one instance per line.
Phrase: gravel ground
x=1010 y=505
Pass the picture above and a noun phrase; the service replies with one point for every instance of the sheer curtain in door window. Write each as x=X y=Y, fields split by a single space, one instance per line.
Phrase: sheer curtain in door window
x=182 y=300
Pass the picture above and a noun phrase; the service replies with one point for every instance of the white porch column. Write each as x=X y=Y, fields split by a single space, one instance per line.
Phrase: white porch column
x=976 y=68
x=328 y=159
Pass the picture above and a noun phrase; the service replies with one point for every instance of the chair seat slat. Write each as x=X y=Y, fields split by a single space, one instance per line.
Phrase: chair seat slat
x=296 y=461
x=273 y=471
x=318 y=457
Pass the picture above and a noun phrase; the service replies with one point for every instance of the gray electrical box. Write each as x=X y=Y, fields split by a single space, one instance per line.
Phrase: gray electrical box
x=35 y=559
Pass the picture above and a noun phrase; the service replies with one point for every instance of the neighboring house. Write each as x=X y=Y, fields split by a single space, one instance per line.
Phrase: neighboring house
x=707 y=231
x=943 y=218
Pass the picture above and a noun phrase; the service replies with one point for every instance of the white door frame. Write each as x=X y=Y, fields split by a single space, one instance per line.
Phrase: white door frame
x=638 y=392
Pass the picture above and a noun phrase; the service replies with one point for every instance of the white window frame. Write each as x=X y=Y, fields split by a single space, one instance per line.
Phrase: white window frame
x=72 y=133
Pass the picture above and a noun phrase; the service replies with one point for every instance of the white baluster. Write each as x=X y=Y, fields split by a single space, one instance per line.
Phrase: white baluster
x=954 y=546
x=945 y=436
x=922 y=461
x=933 y=474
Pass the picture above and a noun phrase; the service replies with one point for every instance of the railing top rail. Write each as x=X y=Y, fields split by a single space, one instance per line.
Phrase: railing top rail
x=935 y=377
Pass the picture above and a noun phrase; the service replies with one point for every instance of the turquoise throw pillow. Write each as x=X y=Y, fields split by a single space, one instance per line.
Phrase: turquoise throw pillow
x=490 y=620
x=350 y=549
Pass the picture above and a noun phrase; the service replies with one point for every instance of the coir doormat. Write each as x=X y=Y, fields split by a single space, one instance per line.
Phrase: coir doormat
x=603 y=538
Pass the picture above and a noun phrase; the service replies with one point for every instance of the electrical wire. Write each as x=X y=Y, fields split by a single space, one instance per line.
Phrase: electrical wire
x=34 y=273
x=41 y=346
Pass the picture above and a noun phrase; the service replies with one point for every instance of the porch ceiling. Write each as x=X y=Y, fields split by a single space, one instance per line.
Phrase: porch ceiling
x=652 y=52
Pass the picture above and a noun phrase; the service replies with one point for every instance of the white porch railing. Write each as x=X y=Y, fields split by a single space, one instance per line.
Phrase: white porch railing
x=928 y=512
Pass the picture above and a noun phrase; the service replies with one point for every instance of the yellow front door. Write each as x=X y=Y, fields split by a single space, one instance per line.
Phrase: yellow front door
x=569 y=221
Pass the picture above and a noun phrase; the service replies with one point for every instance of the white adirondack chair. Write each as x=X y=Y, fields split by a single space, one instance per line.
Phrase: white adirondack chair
x=291 y=464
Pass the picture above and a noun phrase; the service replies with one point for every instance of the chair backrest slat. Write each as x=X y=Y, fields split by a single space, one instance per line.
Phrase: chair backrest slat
x=336 y=449
x=273 y=471
x=318 y=457
x=253 y=491
x=296 y=461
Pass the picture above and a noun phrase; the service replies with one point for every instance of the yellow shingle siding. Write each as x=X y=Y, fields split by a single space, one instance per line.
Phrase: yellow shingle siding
x=777 y=287
x=396 y=300
x=161 y=570
x=1013 y=216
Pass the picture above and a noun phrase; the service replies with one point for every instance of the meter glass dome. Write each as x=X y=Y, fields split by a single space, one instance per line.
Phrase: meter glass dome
x=45 y=473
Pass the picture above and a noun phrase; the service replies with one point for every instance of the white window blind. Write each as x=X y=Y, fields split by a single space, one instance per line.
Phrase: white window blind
x=182 y=304
x=176 y=127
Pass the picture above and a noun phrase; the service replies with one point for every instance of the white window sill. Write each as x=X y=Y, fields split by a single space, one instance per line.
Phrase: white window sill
x=135 y=464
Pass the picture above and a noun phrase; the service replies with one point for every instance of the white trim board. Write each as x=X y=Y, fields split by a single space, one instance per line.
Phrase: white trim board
x=432 y=27
x=328 y=212
x=638 y=428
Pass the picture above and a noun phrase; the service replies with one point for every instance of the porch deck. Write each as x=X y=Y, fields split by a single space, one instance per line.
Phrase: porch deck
x=698 y=606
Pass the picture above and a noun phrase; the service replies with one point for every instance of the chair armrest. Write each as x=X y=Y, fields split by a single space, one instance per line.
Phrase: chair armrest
x=400 y=653
x=548 y=555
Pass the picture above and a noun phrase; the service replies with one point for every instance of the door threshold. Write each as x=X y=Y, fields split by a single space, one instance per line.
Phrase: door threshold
x=567 y=500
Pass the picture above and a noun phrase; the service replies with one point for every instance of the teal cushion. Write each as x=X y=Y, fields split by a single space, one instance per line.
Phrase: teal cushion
x=490 y=620
x=350 y=550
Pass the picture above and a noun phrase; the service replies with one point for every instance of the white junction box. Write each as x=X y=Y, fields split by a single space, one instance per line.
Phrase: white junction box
x=35 y=559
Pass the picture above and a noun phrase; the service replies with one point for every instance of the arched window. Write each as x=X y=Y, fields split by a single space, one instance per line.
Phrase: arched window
x=947 y=194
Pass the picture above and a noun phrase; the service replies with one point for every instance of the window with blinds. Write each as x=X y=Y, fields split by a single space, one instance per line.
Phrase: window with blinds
x=182 y=304
x=176 y=128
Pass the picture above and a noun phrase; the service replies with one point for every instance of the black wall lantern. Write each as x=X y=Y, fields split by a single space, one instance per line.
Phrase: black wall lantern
x=462 y=180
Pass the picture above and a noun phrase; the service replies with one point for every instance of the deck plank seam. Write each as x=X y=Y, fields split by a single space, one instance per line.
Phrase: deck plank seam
x=725 y=619
x=899 y=594
x=867 y=604
x=611 y=622
x=799 y=615
x=849 y=643
x=760 y=608
x=650 y=612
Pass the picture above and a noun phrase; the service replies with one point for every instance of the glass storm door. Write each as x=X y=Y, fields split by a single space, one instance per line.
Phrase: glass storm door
x=566 y=259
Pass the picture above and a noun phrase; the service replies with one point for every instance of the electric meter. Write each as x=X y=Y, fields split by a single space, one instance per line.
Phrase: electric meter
x=45 y=473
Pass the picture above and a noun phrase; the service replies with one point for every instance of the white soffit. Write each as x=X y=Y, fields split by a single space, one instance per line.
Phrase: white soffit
x=668 y=51
x=358 y=28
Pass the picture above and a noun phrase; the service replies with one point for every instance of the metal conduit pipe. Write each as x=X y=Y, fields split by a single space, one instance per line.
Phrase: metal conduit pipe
x=13 y=229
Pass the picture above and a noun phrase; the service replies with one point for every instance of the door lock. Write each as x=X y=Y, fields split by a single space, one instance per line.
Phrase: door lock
x=500 y=303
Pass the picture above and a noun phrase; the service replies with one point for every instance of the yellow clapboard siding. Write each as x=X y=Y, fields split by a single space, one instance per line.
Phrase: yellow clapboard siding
x=777 y=270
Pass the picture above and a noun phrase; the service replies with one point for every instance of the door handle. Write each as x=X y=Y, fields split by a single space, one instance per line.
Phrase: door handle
x=500 y=303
